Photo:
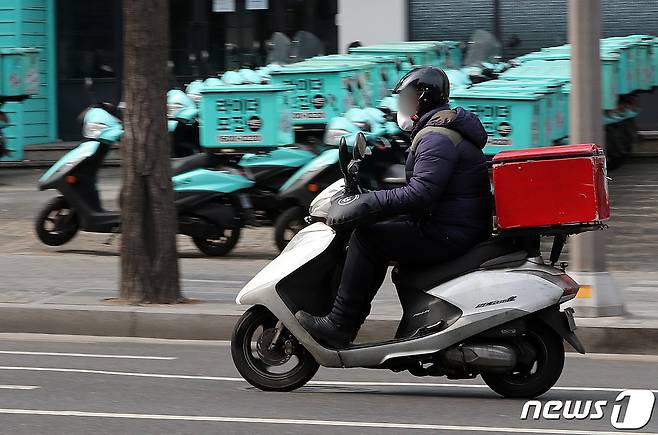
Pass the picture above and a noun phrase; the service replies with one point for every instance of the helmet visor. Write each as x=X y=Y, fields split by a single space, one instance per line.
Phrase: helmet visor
x=408 y=101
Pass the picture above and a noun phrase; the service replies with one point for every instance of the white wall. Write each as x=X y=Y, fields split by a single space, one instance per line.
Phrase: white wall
x=371 y=21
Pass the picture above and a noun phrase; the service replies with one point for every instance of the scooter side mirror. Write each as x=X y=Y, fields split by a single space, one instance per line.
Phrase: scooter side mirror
x=360 y=146
x=343 y=156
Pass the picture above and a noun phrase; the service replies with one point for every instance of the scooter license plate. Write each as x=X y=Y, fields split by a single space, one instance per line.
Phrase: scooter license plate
x=569 y=314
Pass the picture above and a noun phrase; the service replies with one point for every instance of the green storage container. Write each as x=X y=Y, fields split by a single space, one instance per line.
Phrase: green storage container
x=247 y=116
x=537 y=69
x=19 y=72
x=645 y=44
x=513 y=120
x=410 y=53
x=383 y=74
x=654 y=61
x=363 y=89
x=628 y=80
x=555 y=101
x=321 y=92
x=654 y=56
x=447 y=54
x=610 y=71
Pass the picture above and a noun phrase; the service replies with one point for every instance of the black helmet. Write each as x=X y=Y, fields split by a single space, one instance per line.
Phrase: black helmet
x=431 y=84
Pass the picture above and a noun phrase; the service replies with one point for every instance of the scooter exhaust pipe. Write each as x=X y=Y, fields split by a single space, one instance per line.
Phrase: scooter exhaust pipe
x=480 y=357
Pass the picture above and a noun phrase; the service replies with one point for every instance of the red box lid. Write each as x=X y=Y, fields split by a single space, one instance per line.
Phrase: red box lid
x=582 y=150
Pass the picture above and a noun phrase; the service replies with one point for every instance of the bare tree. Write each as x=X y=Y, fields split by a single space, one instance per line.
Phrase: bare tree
x=149 y=262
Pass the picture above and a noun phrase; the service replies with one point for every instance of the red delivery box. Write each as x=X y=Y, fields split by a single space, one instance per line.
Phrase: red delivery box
x=552 y=186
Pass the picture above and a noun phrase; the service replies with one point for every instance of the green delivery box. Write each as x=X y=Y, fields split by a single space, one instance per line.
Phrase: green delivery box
x=320 y=92
x=246 y=116
x=383 y=74
x=513 y=119
x=19 y=71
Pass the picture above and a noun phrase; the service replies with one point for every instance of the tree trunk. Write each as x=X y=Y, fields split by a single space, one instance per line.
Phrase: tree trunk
x=149 y=262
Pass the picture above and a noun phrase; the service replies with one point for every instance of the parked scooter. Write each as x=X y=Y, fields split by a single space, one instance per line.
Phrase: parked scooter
x=183 y=123
x=209 y=202
x=493 y=312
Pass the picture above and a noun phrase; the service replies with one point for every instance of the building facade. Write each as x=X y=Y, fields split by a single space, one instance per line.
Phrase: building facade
x=80 y=39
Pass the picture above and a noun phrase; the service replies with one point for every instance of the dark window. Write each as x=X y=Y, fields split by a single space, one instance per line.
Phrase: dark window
x=87 y=38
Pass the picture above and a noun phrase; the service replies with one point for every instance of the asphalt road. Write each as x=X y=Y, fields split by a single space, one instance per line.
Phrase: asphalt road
x=66 y=385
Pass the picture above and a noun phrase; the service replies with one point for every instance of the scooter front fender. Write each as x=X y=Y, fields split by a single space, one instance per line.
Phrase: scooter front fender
x=261 y=290
x=306 y=245
x=68 y=161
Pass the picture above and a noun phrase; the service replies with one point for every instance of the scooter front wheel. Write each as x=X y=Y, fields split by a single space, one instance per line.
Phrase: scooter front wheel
x=57 y=223
x=267 y=355
x=220 y=244
x=535 y=377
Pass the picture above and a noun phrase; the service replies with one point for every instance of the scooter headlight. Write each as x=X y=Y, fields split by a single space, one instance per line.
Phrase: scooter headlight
x=332 y=136
x=91 y=130
x=172 y=109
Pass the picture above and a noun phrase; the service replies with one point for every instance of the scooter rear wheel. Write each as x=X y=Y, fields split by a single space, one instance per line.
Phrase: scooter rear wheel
x=284 y=368
x=535 y=379
x=57 y=223
x=219 y=245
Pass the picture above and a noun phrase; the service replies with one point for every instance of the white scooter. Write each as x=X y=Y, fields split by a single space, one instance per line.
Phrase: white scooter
x=492 y=312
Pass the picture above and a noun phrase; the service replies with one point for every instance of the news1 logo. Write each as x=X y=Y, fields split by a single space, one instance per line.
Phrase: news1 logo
x=631 y=409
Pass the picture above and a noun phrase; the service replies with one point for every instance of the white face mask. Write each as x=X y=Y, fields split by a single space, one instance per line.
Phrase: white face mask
x=405 y=122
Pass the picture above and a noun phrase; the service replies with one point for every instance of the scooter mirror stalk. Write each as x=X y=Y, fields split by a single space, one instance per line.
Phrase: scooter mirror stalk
x=343 y=156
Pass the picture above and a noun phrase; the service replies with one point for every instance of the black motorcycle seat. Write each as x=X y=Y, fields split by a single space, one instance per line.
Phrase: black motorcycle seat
x=186 y=164
x=487 y=255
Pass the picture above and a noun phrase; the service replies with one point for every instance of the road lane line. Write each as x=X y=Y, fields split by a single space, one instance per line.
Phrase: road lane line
x=319 y=383
x=87 y=355
x=215 y=281
x=304 y=422
x=613 y=357
x=19 y=387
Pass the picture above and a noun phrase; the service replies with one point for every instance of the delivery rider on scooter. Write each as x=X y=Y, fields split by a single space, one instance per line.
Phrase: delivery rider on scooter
x=443 y=211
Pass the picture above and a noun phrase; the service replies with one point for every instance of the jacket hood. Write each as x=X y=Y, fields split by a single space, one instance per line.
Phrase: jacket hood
x=461 y=120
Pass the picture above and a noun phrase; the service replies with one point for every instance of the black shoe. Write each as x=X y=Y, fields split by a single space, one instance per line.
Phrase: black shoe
x=324 y=330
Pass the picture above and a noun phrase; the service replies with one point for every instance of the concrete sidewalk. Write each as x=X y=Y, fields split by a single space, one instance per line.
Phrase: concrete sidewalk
x=64 y=299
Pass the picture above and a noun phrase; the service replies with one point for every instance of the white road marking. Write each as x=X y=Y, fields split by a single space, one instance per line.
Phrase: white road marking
x=613 y=357
x=19 y=387
x=60 y=338
x=304 y=422
x=215 y=281
x=87 y=355
x=319 y=383
x=96 y=339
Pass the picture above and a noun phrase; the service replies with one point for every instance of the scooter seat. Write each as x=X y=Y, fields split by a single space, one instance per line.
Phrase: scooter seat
x=189 y=163
x=488 y=255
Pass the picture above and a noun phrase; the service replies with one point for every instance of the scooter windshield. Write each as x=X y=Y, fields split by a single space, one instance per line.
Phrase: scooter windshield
x=483 y=48
x=278 y=49
x=306 y=45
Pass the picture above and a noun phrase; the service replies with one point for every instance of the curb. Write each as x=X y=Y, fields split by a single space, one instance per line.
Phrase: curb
x=207 y=325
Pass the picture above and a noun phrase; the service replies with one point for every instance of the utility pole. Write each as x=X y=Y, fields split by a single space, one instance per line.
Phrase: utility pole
x=598 y=295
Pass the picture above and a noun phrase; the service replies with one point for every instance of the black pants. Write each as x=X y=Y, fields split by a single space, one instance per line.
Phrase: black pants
x=371 y=250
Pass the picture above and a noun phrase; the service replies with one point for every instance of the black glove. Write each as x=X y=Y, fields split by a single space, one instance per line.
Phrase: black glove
x=347 y=212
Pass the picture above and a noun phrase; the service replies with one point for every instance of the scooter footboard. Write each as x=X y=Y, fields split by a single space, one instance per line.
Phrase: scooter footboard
x=377 y=354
